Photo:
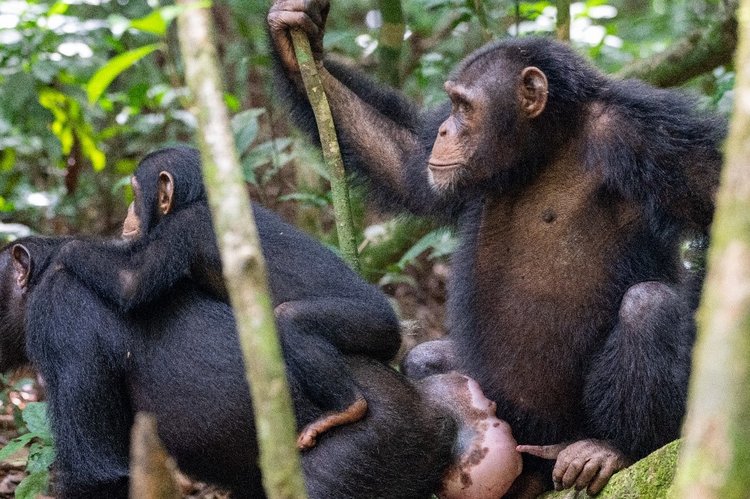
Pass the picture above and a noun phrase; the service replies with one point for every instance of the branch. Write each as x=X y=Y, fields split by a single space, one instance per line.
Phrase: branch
x=330 y=146
x=242 y=260
x=698 y=53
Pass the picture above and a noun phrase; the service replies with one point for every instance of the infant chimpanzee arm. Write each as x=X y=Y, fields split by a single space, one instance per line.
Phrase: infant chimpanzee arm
x=131 y=274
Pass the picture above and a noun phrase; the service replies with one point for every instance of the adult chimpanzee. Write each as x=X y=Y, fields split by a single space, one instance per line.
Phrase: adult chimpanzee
x=322 y=307
x=571 y=192
x=179 y=359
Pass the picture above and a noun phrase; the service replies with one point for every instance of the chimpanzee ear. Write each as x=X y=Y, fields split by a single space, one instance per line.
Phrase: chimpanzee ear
x=21 y=264
x=166 y=192
x=533 y=91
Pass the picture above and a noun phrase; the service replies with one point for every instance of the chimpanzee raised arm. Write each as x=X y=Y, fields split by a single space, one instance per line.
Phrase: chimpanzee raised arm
x=322 y=308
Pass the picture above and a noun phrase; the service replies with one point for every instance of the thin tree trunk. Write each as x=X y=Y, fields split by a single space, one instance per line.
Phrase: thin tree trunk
x=390 y=42
x=244 y=268
x=152 y=470
x=715 y=462
x=563 y=20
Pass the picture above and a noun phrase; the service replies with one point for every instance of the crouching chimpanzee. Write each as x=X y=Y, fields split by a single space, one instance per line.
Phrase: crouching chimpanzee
x=571 y=192
x=322 y=308
x=179 y=359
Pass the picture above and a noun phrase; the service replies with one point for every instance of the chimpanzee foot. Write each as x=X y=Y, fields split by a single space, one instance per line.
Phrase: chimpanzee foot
x=585 y=464
x=308 y=437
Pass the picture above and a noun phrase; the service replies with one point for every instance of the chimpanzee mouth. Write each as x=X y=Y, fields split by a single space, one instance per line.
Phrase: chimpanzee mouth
x=444 y=166
x=129 y=233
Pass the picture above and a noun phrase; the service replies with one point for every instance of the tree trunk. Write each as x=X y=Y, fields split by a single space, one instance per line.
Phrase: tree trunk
x=715 y=462
x=242 y=260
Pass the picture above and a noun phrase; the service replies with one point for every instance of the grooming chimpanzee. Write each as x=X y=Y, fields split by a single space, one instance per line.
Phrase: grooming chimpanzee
x=323 y=309
x=179 y=359
x=571 y=192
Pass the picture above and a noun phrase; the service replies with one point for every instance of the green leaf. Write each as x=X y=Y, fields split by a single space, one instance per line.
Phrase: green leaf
x=157 y=21
x=41 y=457
x=35 y=417
x=107 y=73
x=15 y=445
x=33 y=485
x=245 y=126
x=89 y=149
x=440 y=240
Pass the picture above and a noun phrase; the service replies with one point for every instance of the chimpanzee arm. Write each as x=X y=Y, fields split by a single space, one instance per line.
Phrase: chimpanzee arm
x=131 y=275
x=674 y=174
x=382 y=135
x=70 y=340
x=353 y=326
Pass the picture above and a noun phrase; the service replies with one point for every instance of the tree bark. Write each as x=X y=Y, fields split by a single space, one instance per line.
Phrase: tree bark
x=242 y=260
x=715 y=462
x=563 y=20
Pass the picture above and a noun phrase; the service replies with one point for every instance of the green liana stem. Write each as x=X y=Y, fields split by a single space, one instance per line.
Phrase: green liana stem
x=330 y=146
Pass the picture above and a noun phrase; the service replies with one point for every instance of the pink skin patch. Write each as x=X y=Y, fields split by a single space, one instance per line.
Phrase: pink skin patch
x=487 y=461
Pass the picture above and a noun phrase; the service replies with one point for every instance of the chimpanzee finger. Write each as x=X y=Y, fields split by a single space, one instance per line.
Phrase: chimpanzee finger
x=543 y=451
x=589 y=471
x=288 y=20
x=572 y=472
x=601 y=479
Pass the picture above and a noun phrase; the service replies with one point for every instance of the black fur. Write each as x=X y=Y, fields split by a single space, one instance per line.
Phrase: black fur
x=650 y=151
x=323 y=308
x=179 y=359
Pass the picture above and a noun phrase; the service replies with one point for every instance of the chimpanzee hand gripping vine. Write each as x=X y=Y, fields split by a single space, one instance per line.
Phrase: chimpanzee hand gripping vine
x=572 y=193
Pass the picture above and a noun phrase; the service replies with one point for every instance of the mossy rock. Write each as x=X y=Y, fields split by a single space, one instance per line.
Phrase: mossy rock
x=649 y=478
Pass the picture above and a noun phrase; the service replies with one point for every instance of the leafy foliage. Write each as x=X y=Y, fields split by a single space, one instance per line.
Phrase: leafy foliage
x=38 y=438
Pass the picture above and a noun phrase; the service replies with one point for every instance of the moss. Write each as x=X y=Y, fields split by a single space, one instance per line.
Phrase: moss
x=651 y=478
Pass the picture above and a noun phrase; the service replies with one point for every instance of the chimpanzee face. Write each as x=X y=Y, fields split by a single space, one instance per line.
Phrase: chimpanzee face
x=490 y=110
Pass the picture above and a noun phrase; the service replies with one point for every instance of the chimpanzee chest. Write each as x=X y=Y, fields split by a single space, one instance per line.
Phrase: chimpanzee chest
x=544 y=280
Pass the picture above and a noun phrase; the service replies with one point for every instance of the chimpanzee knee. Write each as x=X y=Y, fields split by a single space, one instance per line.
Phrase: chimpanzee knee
x=636 y=388
x=428 y=358
x=649 y=306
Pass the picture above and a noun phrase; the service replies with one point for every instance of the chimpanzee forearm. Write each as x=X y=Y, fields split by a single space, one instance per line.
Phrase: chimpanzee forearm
x=89 y=411
x=382 y=135
x=131 y=275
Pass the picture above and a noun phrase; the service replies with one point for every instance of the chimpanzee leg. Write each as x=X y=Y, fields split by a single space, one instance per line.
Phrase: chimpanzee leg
x=636 y=389
x=88 y=406
x=355 y=326
x=317 y=368
x=429 y=358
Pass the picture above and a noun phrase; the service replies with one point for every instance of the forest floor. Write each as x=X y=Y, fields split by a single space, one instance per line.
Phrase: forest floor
x=421 y=306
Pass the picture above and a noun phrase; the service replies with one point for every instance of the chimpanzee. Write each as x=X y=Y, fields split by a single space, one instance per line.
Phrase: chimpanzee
x=179 y=359
x=571 y=193
x=322 y=307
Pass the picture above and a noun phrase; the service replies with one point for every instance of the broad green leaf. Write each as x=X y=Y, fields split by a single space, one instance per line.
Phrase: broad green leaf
x=41 y=457
x=33 y=485
x=107 y=73
x=157 y=21
x=89 y=149
x=245 y=126
x=35 y=417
